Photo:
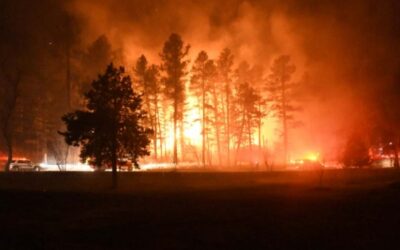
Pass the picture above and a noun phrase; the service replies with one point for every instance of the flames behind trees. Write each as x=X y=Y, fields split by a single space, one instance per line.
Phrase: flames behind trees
x=348 y=50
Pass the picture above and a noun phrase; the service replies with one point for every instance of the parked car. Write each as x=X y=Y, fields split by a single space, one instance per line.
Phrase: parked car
x=23 y=165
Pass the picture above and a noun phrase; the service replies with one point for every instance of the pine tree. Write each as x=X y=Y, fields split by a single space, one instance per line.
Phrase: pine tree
x=253 y=78
x=204 y=72
x=258 y=81
x=8 y=94
x=217 y=119
x=111 y=126
x=15 y=57
x=281 y=90
x=225 y=71
x=247 y=112
x=147 y=79
x=174 y=66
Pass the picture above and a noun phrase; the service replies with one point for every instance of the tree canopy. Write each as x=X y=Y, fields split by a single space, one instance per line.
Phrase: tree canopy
x=174 y=65
x=281 y=89
x=111 y=126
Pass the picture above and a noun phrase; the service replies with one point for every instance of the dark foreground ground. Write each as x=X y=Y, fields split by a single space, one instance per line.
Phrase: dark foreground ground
x=353 y=209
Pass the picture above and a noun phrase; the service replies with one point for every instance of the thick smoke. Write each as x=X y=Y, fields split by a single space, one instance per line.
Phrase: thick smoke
x=346 y=50
x=347 y=53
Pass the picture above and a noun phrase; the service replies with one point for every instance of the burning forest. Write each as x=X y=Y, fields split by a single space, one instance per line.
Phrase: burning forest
x=199 y=124
x=223 y=84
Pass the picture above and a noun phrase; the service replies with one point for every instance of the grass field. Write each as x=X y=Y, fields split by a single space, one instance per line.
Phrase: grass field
x=349 y=209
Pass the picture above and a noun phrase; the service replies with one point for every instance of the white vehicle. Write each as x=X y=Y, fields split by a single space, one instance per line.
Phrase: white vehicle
x=23 y=165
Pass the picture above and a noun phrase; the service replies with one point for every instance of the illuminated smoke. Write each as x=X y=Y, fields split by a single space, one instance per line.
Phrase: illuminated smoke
x=339 y=45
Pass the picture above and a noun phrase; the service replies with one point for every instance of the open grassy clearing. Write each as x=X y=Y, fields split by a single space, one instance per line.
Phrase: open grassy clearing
x=354 y=209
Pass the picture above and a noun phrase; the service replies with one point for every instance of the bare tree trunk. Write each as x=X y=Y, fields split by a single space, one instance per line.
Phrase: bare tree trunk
x=223 y=120
x=160 y=137
x=175 y=159
x=162 y=142
x=114 y=161
x=155 y=142
x=152 y=120
x=284 y=120
x=182 y=140
x=259 y=128
x=209 y=153
x=204 y=125
x=228 y=124
x=166 y=153
x=240 y=136
x=157 y=124
x=154 y=127
x=217 y=131
x=9 y=107
x=66 y=158
x=8 y=139
x=249 y=135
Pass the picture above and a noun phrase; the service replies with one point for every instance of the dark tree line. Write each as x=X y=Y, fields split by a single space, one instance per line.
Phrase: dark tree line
x=174 y=64
x=232 y=102
x=32 y=85
x=53 y=77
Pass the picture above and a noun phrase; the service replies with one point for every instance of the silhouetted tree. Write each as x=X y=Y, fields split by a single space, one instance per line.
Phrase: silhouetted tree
x=217 y=118
x=14 y=56
x=247 y=112
x=225 y=71
x=249 y=81
x=174 y=65
x=203 y=75
x=257 y=81
x=9 y=83
x=38 y=50
x=111 y=127
x=281 y=90
x=387 y=117
x=147 y=78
